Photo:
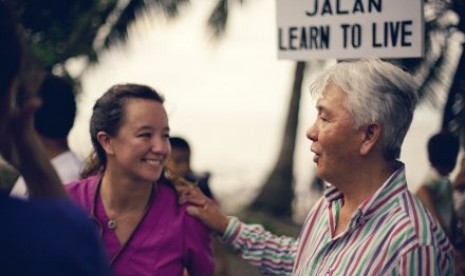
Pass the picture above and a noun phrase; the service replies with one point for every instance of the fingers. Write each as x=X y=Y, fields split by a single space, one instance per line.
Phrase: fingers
x=201 y=206
x=179 y=183
x=20 y=134
x=187 y=191
x=193 y=195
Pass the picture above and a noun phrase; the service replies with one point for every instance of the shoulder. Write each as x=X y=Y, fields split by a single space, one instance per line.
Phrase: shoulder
x=423 y=228
x=56 y=215
x=82 y=191
x=69 y=166
x=53 y=226
x=68 y=160
x=195 y=226
x=83 y=184
x=431 y=178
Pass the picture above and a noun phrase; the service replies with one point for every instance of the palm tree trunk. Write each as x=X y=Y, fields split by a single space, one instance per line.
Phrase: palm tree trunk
x=450 y=120
x=277 y=193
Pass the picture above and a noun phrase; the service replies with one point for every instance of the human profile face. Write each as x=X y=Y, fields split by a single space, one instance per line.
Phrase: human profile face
x=179 y=162
x=140 y=149
x=336 y=143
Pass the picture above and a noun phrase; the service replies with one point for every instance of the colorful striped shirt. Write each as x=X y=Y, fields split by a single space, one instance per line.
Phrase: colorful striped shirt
x=391 y=233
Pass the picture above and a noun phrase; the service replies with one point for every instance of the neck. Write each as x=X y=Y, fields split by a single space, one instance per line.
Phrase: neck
x=121 y=196
x=54 y=147
x=365 y=182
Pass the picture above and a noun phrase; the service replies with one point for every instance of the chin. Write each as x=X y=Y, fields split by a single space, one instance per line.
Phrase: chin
x=156 y=177
x=320 y=173
x=152 y=177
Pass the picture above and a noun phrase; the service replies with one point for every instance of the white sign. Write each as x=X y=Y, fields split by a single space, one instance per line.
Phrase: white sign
x=346 y=29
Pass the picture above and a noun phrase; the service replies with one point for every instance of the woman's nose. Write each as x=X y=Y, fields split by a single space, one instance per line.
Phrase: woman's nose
x=161 y=146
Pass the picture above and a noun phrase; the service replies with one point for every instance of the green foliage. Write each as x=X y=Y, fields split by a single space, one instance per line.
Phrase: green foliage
x=58 y=30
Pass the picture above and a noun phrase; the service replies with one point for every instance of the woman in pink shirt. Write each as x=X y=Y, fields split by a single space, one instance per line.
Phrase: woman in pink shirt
x=134 y=206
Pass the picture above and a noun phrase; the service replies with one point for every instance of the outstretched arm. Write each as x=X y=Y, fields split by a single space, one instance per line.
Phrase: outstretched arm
x=270 y=253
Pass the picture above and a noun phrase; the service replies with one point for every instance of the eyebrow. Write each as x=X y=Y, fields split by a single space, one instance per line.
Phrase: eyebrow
x=147 y=127
x=321 y=107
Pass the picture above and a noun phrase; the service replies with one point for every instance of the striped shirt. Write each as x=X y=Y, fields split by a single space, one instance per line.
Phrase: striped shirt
x=391 y=233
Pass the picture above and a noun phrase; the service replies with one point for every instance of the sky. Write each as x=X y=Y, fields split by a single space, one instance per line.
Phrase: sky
x=228 y=98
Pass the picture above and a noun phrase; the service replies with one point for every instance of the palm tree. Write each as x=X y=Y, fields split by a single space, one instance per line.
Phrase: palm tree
x=442 y=70
x=433 y=71
x=59 y=30
x=277 y=194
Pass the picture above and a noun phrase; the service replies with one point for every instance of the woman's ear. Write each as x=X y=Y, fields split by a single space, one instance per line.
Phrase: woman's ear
x=105 y=142
x=371 y=137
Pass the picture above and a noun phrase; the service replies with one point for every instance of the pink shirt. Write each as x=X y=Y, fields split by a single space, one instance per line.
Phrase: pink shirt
x=166 y=241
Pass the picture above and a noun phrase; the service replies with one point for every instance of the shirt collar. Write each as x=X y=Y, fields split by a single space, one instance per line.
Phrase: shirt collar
x=394 y=184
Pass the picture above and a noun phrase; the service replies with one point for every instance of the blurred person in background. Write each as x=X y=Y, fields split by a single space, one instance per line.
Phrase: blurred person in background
x=53 y=122
x=179 y=164
x=458 y=222
x=435 y=191
x=47 y=235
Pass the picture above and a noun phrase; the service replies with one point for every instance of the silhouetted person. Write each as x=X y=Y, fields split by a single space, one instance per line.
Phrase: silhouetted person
x=435 y=191
x=47 y=235
x=53 y=122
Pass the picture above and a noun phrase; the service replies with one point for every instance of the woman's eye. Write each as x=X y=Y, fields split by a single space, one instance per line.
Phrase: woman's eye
x=145 y=135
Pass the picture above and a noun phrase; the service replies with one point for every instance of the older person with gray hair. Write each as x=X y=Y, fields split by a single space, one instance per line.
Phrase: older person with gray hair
x=367 y=222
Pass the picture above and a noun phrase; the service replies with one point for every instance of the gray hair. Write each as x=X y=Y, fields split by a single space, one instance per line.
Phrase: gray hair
x=377 y=91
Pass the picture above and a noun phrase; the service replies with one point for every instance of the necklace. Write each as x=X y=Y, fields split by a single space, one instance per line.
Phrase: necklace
x=112 y=222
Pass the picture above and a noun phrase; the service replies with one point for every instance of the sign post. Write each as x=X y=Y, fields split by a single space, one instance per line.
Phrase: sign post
x=346 y=29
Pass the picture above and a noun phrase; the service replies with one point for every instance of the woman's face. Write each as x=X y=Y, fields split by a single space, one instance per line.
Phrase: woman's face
x=140 y=149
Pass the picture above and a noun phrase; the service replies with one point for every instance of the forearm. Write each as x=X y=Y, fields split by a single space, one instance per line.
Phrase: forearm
x=40 y=176
x=270 y=253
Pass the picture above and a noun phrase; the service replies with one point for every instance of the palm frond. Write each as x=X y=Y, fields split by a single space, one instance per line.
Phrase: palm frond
x=171 y=8
x=218 y=19
x=125 y=16
x=128 y=14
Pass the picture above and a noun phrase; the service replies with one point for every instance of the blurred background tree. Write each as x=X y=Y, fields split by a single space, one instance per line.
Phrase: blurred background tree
x=59 y=31
x=441 y=73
